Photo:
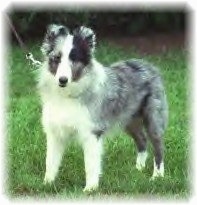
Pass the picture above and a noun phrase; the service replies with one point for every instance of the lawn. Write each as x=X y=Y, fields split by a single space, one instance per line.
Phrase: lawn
x=26 y=141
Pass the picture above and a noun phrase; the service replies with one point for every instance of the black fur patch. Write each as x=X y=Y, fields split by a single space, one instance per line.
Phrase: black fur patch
x=80 y=56
x=80 y=51
x=87 y=34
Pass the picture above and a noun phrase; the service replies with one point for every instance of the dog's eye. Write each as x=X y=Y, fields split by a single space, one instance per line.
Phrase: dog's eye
x=54 y=62
x=57 y=59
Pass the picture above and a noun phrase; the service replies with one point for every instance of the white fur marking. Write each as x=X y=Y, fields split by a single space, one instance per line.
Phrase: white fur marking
x=55 y=149
x=92 y=158
x=158 y=172
x=64 y=68
x=59 y=125
x=141 y=160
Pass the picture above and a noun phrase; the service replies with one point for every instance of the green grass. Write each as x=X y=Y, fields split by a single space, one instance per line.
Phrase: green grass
x=26 y=141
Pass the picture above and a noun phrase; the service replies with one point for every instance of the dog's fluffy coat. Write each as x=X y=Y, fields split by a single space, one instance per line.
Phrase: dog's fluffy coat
x=82 y=98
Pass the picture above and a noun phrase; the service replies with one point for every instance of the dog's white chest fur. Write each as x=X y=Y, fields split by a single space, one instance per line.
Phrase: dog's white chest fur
x=65 y=116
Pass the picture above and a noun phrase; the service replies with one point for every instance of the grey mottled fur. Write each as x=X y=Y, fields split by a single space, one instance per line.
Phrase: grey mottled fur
x=133 y=97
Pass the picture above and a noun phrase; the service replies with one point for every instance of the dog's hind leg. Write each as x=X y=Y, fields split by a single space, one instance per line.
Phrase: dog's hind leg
x=135 y=129
x=156 y=140
x=55 y=149
x=92 y=156
x=155 y=118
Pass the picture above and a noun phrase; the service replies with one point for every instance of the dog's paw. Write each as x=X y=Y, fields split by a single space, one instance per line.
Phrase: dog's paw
x=90 y=189
x=140 y=166
x=141 y=160
x=154 y=177
x=158 y=172
x=47 y=180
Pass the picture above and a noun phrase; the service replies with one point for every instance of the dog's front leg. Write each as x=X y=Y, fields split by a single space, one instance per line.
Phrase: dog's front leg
x=55 y=149
x=92 y=156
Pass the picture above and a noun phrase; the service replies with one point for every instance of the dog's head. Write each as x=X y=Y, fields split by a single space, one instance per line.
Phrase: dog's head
x=68 y=54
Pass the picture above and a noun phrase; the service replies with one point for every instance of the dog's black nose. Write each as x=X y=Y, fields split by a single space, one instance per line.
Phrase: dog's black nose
x=63 y=81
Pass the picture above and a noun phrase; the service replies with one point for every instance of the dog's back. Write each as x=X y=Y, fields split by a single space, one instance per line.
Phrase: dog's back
x=127 y=89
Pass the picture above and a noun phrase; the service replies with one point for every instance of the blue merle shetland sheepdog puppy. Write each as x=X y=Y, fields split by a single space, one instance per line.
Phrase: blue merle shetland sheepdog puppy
x=83 y=99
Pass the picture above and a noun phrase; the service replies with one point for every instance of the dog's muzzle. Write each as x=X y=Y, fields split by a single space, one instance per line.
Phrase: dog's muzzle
x=63 y=81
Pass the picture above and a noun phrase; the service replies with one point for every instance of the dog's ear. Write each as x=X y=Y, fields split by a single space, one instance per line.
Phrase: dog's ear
x=54 y=34
x=88 y=35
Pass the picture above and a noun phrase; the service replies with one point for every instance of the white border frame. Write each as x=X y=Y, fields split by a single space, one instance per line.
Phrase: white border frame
x=101 y=5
